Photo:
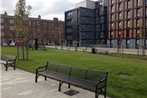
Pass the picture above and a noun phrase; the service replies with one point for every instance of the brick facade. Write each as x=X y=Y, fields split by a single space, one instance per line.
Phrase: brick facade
x=126 y=20
x=51 y=31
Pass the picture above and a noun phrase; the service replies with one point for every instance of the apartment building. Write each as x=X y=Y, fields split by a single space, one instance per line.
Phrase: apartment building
x=51 y=31
x=127 y=22
x=86 y=24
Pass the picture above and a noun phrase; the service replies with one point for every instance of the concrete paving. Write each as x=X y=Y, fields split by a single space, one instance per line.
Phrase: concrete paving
x=110 y=50
x=20 y=84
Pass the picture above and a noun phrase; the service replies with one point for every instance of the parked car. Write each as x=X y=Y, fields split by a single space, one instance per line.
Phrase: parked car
x=4 y=44
x=12 y=43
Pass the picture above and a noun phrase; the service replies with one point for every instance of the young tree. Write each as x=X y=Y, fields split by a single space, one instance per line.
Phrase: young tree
x=143 y=30
x=21 y=19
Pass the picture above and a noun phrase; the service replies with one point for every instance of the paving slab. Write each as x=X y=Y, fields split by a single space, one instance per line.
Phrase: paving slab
x=21 y=84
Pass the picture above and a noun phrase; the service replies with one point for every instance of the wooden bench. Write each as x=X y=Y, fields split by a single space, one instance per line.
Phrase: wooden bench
x=90 y=80
x=7 y=61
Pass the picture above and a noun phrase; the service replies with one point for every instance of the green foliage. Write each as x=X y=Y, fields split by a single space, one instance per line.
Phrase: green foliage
x=127 y=77
x=20 y=18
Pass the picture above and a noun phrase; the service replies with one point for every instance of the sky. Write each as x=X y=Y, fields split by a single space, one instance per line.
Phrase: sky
x=46 y=8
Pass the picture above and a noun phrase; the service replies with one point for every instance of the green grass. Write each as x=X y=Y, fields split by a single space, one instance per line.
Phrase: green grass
x=132 y=56
x=134 y=85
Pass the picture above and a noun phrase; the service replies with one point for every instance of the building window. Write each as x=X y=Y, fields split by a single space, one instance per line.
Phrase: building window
x=38 y=23
x=69 y=14
x=120 y=7
x=128 y=24
x=137 y=23
x=137 y=33
x=113 y=18
x=112 y=25
x=29 y=22
x=146 y=11
x=11 y=21
x=120 y=24
x=127 y=42
x=138 y=12
x=2 y=27
x=113 y=1
x=138 y=2
x=11 y=27
x=2 y=34
x=146 y=22
x=128 y=14
x=128 y=4
x=137 y=42
x=113 y=9
x=2 y=20
x=120 y=16
x=45 y=23
x=119 y=0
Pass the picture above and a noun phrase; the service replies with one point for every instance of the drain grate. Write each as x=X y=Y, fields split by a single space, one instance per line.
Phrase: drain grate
x=71 y=92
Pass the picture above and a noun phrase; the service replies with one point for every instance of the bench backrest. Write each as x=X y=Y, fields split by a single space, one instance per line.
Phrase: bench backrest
x=52 y=67
x=93 y=76
x=78 y=73
x=8 y=57
x=58 y=68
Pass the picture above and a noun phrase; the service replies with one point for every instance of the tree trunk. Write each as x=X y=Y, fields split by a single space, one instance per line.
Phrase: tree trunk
x=23 y=57
x=27 y=52
x=18 y=52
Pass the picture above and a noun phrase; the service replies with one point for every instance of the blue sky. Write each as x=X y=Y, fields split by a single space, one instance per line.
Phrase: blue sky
x=46 y=8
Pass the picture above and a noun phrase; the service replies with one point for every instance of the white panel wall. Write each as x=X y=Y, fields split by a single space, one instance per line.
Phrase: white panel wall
x=90 y=4
x=81 y=4
x=86 y=4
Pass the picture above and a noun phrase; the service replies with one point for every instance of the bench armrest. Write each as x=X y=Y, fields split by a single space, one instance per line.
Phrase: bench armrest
x=103 y=81
x=41 y=69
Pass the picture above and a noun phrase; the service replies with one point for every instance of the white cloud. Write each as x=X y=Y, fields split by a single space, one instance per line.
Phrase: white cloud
x=46 y=8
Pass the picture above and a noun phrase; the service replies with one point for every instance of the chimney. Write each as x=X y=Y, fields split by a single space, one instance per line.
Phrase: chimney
x=55 y=19
x=39 y=16
x=5 y=13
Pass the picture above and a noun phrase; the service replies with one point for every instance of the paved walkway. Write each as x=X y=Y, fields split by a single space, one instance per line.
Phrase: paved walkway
x=20 y=84
x=110 y=50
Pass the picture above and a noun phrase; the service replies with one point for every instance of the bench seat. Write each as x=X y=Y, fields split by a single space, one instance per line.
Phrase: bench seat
x=72 y=80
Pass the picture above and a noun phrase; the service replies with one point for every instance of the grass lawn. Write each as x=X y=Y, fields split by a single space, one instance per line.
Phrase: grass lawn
x=127 y=77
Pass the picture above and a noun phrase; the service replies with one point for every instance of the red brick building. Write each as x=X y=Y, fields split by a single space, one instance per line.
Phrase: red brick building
x=127 y=18
x=51 y=31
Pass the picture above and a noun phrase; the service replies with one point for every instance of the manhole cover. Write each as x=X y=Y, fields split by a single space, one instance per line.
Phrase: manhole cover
x=71 y=92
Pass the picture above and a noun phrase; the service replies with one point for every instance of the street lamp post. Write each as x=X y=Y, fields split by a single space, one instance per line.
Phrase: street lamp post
x=137 y=42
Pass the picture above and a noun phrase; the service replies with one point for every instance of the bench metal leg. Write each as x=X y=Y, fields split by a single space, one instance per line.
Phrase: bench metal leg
x=45 y=78
x=105 y=92
x=60 y=84
x=68 y=85
x=6 y=68
x=96 y=94
x=36 y=77
x=14 y=67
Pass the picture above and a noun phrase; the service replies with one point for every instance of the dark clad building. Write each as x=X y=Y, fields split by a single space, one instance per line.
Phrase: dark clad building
x=86 y=25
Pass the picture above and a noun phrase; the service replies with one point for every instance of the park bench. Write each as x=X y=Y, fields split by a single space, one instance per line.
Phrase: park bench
x=90 y=80
x=8 y=60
